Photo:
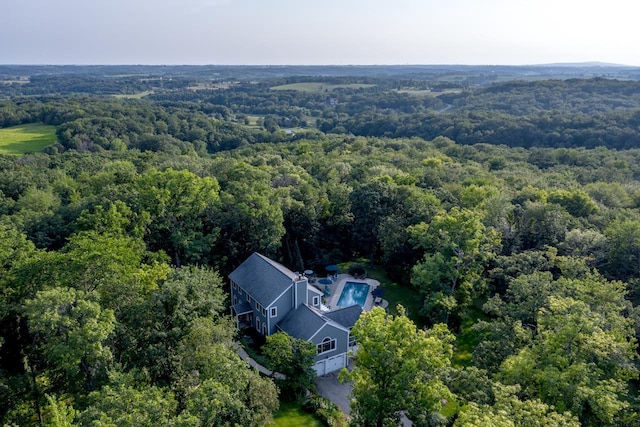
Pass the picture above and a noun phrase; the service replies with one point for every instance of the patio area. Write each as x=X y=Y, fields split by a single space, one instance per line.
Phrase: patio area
x=334 y=290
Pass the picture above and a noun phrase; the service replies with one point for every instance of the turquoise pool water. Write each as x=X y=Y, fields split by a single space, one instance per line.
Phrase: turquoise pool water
x=353 y=293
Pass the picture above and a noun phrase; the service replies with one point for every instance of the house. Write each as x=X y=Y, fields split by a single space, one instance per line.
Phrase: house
x=271 y=298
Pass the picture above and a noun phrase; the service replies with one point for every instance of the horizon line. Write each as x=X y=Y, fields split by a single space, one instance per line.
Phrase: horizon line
x=554 y=64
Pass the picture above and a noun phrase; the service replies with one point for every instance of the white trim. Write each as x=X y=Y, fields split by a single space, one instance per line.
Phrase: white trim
x=329 y=322
x=316 y=300
x=273 y=312
x=332 y=343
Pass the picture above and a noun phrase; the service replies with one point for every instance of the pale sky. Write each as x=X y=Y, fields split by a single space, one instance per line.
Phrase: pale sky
x=255 y=32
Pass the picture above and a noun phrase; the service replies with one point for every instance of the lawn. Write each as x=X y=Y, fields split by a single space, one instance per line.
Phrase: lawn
x=427 y=92
x=467 y=339
x=138 y=95
x=291 y=414
x=319 y=87
x=18 y=140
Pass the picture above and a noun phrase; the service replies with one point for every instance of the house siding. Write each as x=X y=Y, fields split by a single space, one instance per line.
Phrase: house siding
x=312 y=292
x=257 y=315
x=237 y=294
x=284 y=307
x=341 y=337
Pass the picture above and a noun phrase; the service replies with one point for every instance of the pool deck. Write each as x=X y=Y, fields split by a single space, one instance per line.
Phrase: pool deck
x=337 y=286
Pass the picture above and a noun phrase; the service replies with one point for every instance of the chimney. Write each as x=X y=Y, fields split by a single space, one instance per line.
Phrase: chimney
x=299 y=290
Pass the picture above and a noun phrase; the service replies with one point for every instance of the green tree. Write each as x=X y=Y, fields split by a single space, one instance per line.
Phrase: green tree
x=539 y=224
x=123 y=405
x=213 y=383
x=457 y=245
x=509 y=411
x=411 y=206
x=576 y=202
x=623 y=249
x=118 y=267
x=177 y=202
x=250 y=219
x=294 y=358
x=70 y=330
x=59 y=413
x=162 y=321
x=398 y=368
x=117 y=219
x=370 y=204
x=580 y=360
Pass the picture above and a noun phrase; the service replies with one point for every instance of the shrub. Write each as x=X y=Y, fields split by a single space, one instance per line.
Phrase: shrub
x=327 y=411
x=358 y=271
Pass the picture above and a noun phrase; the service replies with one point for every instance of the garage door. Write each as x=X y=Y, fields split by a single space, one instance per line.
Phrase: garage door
x=329 y=365
x=319 y=367
x=335 y=363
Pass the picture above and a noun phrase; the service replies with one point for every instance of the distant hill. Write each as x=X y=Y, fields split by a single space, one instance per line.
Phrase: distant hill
x=583 y=64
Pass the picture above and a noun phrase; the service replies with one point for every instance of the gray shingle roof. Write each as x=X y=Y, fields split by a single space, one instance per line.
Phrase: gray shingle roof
x=347 y=316
x=302 y=322
x=262 y=278
x=242 y=308
x=313 y=290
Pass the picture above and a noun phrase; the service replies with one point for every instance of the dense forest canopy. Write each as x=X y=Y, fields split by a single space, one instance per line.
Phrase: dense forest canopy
x=508 y=211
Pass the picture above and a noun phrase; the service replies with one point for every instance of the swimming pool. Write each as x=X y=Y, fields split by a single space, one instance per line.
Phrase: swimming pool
x=353 y=293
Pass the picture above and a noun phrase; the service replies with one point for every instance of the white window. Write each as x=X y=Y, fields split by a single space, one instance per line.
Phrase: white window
x=316 y=300
x=258 y=325
x=327 y=344
x=235 y=300
x=274 y=311
x=264 y=329
x=248 y=298
x=264 y=312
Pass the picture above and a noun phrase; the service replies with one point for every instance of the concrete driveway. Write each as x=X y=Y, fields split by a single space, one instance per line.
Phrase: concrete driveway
x=330 y=388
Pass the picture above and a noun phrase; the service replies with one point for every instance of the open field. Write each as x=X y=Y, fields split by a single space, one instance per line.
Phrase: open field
x=205 y=86
x=253 y=120
x=319 y=87
x=138 y=95
x=18 y=140
x=427 y=92
x=291 y=415
x=19 y=82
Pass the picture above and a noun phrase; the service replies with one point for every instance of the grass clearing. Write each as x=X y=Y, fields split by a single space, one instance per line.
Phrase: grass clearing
x=291 y=414
x=22 y=139
x=423 y=93
x=318 y=87
x=138 y=95
x=14 y=82
x=467 y=339
x=253 y=120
